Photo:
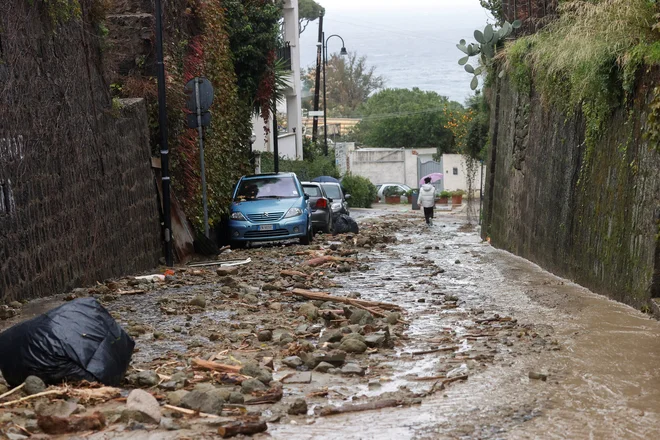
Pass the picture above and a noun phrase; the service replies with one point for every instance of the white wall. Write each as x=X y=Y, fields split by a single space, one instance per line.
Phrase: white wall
x=342 y=150
x=294 y=95
x=379 y=165
x=412 y=157
x=286 y=144
x=388 y=165
x=263 y=140
x=451 y=181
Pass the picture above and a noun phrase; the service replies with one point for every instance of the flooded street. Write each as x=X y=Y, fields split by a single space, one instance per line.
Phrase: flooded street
x=482 y=344
x=603 y=375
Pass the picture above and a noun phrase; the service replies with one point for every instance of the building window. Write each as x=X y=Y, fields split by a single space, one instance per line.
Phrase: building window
x=455 y=171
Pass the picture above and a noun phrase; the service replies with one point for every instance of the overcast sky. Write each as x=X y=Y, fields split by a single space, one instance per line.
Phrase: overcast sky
x=375 y=5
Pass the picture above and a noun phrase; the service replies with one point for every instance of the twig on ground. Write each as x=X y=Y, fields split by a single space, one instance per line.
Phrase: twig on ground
x=12 y=391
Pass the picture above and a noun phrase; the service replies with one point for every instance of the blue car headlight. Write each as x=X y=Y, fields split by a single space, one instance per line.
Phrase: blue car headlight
x=237 y=215
x=293 y=212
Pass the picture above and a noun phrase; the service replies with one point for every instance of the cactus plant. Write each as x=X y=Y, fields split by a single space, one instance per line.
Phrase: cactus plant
x=485 y=48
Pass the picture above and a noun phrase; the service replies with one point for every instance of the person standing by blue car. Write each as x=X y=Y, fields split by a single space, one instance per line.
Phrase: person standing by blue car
x=426 y=199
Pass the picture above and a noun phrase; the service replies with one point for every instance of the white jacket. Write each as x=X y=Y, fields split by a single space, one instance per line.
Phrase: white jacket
x=426 y=197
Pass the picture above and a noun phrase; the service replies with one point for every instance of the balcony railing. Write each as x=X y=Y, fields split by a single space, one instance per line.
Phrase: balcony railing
x=284 y=54
x=534 y=14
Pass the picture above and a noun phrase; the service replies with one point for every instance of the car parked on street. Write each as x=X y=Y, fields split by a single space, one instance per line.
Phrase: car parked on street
x=339 y=199
x=321 y=206
x=402 y=187
x=269 y=207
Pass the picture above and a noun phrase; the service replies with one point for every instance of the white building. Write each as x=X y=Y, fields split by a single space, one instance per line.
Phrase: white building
x=290 y=142
x=401 y=165
x=454 y=168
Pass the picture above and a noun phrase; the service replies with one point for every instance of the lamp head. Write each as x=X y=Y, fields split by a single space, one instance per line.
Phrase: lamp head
x=253 y=137
x=343 y=52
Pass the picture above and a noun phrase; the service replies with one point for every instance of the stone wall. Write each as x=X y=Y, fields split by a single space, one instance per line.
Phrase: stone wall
x=590 y=215
x=78 y=198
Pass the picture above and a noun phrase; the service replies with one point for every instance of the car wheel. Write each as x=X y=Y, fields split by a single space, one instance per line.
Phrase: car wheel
x=327 y=229
x=307 y=239
x=239 y=244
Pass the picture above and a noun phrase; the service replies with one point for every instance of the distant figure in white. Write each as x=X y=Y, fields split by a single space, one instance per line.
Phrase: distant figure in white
x=427 y=200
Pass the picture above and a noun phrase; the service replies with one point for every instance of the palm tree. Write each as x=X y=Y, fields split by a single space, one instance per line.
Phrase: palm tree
x=281 y=83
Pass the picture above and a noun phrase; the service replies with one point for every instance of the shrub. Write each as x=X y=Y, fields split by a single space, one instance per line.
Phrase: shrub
x=392 y=191
x=304 y=169
x=363 y=192
x=444 y=194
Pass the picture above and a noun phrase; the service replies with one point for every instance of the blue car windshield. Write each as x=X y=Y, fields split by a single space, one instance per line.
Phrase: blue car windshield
x=267 y=188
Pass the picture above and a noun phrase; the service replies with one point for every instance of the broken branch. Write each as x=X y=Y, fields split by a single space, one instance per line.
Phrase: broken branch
x=329 y=259
x=190 y=412
x=216 y=366
x=340 y=299
x=434 y=350
x=332 y=410
x=12 y=391
x=34 y=396
x=293 y=273
x=247 y=428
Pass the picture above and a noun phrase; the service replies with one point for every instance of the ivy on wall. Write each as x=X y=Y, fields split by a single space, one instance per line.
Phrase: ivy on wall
x=233 y=44
x=226 y=140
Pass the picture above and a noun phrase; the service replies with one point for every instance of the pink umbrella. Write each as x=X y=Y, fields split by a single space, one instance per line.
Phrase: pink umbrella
x=434 y=178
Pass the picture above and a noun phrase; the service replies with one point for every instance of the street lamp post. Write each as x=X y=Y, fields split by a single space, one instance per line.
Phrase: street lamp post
x=162 y=126
x=325 y=105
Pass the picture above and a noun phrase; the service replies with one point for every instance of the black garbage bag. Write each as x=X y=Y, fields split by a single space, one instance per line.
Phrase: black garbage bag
x=345 y=224
x=76 y=341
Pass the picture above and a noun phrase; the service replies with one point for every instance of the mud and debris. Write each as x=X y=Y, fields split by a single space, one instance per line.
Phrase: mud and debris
x=353 y=324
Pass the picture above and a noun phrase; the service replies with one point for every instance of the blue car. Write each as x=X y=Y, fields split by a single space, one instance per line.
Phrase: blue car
x=269 y=207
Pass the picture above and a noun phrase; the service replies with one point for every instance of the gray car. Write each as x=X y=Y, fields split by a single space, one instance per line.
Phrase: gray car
x=339 y=199
x=321 y=206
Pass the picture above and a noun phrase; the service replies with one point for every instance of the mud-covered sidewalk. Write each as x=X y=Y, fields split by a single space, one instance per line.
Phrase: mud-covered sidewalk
x=401 y=331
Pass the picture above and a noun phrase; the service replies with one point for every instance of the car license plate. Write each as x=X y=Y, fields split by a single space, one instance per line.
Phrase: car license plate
x=265 y=227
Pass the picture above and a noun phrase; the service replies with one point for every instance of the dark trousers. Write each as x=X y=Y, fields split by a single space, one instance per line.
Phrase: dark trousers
x=428 y=214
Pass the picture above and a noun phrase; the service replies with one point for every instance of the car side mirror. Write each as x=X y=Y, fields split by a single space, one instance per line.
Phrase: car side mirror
x=306 y=196
x=330 y=200
x=347 y=196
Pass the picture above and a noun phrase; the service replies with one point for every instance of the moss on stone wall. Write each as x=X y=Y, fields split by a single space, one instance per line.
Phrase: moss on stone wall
x=585 y=213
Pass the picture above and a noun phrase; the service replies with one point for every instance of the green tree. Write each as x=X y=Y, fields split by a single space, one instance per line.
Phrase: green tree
x=350 y=82
x=308 y=10
x=254 y=35
x=396 y=118
x=476 y=142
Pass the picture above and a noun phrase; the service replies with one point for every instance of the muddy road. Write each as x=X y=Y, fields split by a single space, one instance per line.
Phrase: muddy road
x=600 y=359
x=467 y=340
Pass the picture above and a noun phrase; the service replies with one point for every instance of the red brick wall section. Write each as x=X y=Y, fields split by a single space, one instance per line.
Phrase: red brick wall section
x=78 y=203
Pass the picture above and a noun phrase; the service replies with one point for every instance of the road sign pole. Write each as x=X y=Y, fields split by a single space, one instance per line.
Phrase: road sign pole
x=200 y=130
x=162 y=126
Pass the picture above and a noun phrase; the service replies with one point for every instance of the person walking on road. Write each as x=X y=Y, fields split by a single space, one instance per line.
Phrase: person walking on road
x=427 y=200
